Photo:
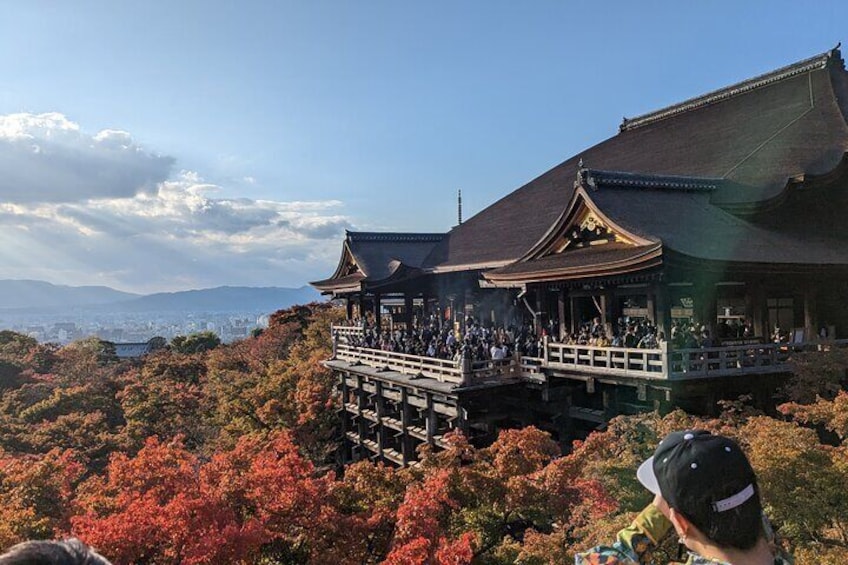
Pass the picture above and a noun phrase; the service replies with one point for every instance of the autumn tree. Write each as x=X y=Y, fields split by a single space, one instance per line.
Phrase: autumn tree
x=36 y=493
x=277 y=381
x=166 y=506
x=72 y=407
x=195 y=343
x=165 y=397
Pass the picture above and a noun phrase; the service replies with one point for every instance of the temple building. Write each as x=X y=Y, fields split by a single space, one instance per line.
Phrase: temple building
x=720 y=216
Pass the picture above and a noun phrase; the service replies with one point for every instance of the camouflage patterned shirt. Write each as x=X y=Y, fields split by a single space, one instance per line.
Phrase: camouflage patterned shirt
x=635 y=543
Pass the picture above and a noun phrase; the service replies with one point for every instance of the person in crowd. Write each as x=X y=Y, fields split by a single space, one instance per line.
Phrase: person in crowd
x=68 y=552
x=706 y=491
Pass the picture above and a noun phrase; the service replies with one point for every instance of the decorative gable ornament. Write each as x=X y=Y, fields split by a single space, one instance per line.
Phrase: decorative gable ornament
x=591 y=231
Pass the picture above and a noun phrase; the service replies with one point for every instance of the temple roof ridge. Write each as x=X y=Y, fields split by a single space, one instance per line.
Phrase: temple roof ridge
x=394 y=236
x=594 y=178
x=820 y=61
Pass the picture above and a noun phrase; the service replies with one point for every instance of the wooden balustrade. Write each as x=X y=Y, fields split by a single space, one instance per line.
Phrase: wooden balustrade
x=646 y=363
x=443 y=370
x=347 y=331
x=662 y=363
x=738 y=359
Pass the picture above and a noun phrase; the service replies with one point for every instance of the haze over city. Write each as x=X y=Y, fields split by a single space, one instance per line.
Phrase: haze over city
x=165 y=146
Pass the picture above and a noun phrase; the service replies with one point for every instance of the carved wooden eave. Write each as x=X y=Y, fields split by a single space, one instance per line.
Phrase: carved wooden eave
x=585 y=242
x=580 y=211
x=635 y=259
x=346 y=279
x=347 y=263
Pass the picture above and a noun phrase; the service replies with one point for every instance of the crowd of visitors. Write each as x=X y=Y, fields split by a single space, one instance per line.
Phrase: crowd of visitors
x=641 y=334
x=483 y=341
x=438 y=338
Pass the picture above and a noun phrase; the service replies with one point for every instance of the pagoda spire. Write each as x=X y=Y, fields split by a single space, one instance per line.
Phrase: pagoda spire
x=459 y=207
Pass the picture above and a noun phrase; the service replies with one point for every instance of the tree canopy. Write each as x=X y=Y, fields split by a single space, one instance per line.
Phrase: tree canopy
x=209 y=453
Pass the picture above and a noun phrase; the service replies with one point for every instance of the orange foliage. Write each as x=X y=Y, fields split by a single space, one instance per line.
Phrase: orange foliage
x=165 y=505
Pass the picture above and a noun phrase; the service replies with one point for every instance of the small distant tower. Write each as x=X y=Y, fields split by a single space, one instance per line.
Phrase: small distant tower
x=459 y=207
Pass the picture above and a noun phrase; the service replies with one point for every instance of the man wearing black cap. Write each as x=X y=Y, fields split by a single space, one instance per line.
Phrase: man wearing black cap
x=705 y=489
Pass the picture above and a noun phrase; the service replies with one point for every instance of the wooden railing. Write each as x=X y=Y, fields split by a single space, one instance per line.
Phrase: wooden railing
x=649 y=363
x=348 y=331
x=662 y=363
x=443 y=370
x=463 y=371
x=738 y=359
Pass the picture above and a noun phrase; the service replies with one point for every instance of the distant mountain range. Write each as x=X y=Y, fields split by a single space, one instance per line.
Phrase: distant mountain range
x=30 y=295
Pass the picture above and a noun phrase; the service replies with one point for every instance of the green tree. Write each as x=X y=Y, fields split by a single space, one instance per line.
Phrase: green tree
x=196 y=342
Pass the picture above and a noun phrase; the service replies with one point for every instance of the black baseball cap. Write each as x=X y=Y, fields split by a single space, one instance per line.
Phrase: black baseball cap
x=698 y=473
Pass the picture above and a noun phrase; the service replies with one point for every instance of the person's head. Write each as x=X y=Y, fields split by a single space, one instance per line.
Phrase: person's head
x=69 y=552
x=708 y=483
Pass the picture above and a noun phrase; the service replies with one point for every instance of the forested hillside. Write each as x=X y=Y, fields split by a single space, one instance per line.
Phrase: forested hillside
x=225 y=455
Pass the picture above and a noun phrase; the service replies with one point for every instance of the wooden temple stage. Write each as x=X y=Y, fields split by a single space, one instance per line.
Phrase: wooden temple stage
x=391 y=403
x=724 y=214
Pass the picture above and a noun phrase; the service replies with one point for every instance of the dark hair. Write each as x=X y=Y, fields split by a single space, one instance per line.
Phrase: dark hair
x=69 y=552
x=739 y=528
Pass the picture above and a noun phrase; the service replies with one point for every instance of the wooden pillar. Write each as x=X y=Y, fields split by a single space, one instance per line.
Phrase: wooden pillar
x=345 y=416
x=362 y=425
x=407 y=311
x=811 y=322
x=380 y=410
x=755 y=308
x=561 y=313
x=462 y=421
x=609 y=397
x=425 y=307
x=607 y=302
x=349 y=308
x=538 y=325
x=662 y=305
x=362 y=305
x=572 y=315
x=377 y=315
x=651 y=307
x=432 y=419
x=711 y=310
x=705 y=306
x=406 y=444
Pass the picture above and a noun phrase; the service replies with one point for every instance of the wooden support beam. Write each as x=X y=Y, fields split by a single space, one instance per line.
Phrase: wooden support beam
x=561 y=312
x=662 y=309
x=572 y=315
x=755 y=307
x=362 y=425
x=811 y=323
x=607 y=302
x=406 y=443
x=377 y=314
x=407 y=310
x=381 y=411
x=432 y=419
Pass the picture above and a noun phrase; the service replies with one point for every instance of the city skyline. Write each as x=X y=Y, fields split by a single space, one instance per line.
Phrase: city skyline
x=163 y=147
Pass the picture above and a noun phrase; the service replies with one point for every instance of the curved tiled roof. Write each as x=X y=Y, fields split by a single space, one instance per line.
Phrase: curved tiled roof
x=590 y=261
x=374 y=252
x=755 y=136
x=378 y=256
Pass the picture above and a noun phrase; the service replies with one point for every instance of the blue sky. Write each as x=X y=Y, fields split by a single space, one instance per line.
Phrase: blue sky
x=168 y=145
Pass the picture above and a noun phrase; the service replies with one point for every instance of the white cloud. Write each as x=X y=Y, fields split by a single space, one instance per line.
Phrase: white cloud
x=131 y=225
x=48 y=158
